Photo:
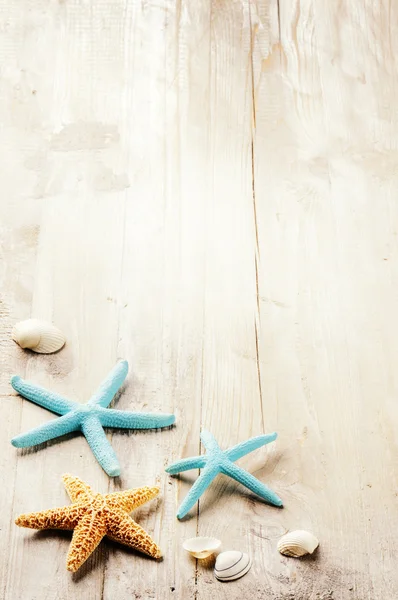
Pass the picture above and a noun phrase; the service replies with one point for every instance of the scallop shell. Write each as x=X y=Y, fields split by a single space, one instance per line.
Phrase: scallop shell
x=297 y=543
x=39 y=336
x=201 y=547
x=231 y=565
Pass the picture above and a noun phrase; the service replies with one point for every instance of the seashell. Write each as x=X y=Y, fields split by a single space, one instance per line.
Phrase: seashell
x=231 y=565
x=297 y=543
x=39 y=336
x=201 y=547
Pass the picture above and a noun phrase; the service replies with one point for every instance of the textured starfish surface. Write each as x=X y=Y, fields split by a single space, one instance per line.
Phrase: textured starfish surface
x=88 y=418
x=217 y=461
x=93 y=516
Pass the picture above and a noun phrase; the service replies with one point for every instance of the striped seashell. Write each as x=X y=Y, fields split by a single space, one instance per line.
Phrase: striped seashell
x=39 y=336
x=297 y=543
x=231 y=565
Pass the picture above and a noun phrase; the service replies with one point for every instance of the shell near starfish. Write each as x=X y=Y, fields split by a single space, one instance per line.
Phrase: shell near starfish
x=39 y=336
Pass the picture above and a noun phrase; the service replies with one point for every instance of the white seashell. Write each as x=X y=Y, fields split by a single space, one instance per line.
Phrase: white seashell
x=297 y=543
x=231 y=565
x=201 y=547
x=38 y=336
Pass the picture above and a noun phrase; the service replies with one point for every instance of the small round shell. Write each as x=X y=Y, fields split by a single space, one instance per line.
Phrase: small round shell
x=201 y=547
x=231 y=565
x=39 y=336
x=297 y=543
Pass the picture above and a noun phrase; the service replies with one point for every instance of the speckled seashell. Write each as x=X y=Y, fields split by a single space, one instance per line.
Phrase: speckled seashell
x=39 y=336
x=231 y=565
x=201 y=547
x=297 y=543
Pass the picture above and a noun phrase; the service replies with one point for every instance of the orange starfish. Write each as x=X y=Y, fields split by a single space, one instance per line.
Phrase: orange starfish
x=92 y=516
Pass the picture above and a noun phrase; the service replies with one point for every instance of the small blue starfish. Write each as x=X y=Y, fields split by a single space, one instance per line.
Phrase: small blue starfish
x=222 y=461
x=88 y=418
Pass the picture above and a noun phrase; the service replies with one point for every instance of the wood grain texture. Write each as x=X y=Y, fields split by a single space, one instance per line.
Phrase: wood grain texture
x=207 y=189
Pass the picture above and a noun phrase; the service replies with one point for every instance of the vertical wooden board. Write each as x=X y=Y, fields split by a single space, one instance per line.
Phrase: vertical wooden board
x=19 y=233
x=79 y=166
x=231 y=407
x=161 y=324
x=327 y=262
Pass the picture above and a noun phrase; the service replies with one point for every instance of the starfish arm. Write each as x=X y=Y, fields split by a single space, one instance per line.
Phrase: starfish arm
x=200 y=485
x=121 y=528
x=86 y=537
x=76 y=488
x=109 y=387
x=186 y=464
x=252 y=483
x=42 y=397
x=134 y=420
x=55 y=518
x=99 y=444
x=47 y=431
x=209 y=441
x=131 y=499
x=236 y=452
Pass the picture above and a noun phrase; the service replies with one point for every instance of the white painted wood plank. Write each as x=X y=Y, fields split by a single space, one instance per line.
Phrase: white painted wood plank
x=161 y=325
x=327 y=272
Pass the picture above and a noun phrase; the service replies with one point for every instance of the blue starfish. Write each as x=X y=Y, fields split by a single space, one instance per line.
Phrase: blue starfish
x=88 y=418
x=222 y=461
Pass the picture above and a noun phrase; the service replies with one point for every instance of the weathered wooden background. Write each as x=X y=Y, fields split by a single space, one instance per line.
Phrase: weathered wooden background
x=209 y=189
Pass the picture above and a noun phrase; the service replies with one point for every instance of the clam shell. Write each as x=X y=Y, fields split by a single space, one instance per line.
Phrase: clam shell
x=298 y=543
x=39 y=336
x=201 y=547
x=231 y=565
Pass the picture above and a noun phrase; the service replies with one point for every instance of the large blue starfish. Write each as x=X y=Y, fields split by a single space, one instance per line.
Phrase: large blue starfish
x=222 y=461
x=88 y=418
